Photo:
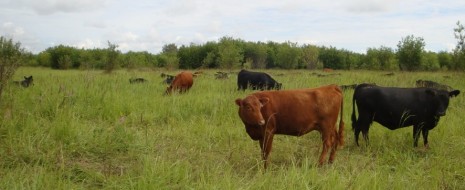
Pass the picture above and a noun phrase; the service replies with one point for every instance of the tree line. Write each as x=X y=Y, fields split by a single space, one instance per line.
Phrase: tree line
x=231 y=53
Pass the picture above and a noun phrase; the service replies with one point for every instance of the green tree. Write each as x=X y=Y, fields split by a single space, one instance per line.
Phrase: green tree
x=11 y=55
x=112 y=57
x=63 y=57
x=256 y=53
x=430 y=61
x=230 y=54
x=410 y=53
x=310 y=56
x=445 y=60
x=380 y=58
x=288 y=55
x=459 y=51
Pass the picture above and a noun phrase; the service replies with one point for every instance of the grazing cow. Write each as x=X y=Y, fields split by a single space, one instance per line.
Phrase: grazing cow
x=395 y=108
x=295 y=113
x=137 y=80
x=256 y=80
x=181 y=83
x=431 y=84
x=221 y=75
x=28 y=81
x=327 y=70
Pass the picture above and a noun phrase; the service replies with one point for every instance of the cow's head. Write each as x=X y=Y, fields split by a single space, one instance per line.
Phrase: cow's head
x=28 y=81
x=249 y=110
x=441 y=99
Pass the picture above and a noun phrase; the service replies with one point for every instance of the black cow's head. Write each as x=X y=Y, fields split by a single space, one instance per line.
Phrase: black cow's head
x=441 y=99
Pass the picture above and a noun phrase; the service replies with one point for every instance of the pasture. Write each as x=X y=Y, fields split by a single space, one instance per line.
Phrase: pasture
x=88 y=130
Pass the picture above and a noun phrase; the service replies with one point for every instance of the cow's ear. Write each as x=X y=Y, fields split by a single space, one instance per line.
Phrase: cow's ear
x=454 y=93
x=264 y=101
x=431 y=92
x=239 y=102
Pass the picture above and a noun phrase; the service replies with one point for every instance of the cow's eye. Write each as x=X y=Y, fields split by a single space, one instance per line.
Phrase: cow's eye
x=248 y=108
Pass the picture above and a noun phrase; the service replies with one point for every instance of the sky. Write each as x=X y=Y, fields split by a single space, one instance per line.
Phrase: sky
x=148 y=25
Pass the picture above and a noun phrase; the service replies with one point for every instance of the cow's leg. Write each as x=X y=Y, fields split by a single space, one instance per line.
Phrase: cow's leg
x=363 y=125
x=425 y=136
x=266 y=144
x=334 y=144
x=416 y=134
x=328 y=140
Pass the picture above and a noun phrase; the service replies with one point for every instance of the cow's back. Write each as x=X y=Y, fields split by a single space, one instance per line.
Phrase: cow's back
x=300 y=111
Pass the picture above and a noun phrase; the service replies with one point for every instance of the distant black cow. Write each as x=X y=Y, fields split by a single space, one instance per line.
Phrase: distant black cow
x=137 y=80
x=168 y=78
x=395 y=108
x=431 y=84
x=221 y=75
x=26 y=82
x=256 y=81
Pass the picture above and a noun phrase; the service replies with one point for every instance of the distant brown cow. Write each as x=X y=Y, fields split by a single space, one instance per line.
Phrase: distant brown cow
x=295 y=113
x=181 y=83
x=328 y=70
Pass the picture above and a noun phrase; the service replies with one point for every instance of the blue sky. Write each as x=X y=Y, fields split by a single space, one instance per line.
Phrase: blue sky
x=147 y=25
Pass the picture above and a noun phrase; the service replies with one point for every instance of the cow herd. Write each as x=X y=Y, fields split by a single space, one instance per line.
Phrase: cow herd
x=296 y=112
x=272 y=111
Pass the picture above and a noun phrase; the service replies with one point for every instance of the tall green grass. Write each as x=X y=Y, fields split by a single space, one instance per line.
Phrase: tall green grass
x=89 y=130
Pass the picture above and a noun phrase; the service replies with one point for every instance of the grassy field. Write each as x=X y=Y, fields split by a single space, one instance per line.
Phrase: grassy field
x=89 y=130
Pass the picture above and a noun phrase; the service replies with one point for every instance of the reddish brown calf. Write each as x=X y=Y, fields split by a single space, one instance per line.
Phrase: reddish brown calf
x=295 y=113
x=181 y=83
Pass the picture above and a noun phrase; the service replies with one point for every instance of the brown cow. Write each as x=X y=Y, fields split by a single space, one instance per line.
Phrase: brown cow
x=327 y=70
x=182 y=82
x=295 y=113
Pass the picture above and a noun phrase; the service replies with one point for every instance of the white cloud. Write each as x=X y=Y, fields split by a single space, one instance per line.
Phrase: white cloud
x=48 y=7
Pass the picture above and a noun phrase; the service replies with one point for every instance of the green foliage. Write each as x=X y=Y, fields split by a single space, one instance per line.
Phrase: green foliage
x=310 y=56
x=11 y=55
x=112 y=57
x=445 y=60
x=288 y=55
x=338 y=59
x=410 y=52
x=256 y=53
x=430 y=61
x=380 y=59
x=230 y=53
x=459 y=51
x=62 y=57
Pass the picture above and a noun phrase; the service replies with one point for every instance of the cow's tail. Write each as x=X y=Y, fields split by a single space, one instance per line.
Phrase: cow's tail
x=354 y=118
x=341 y=125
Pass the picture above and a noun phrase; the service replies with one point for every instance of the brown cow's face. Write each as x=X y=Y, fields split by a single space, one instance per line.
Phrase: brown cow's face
x=249 y=110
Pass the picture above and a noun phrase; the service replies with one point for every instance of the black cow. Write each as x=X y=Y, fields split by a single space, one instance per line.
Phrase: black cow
x=395 y=108
x=256 y=81
x=26 y=82
x=168 y=78
x=137 y=80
